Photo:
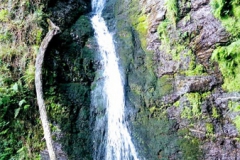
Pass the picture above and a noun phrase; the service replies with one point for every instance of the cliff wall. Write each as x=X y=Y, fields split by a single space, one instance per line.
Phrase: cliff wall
x=181 y=96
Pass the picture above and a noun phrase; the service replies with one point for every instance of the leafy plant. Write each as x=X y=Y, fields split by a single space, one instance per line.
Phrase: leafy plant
x=20 y=33
x=29 y=75
x=228 y=59
x=229 y=14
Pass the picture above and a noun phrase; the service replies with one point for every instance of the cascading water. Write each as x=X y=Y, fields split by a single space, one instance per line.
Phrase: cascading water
x=112 y=140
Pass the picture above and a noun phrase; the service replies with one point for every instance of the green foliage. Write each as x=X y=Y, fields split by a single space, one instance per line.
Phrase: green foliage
x=236 y=121
x=172 y=11
x=163 y=32
x=228 y=59
x=189 y=145
x=194 y=69
x=194 y=110
x=5 y=36
x=209 y=128
x=229 y=14
x=4 y=15
x=14 y=119
x=215 y=113
x=176 y=104
x=234 y=106
x=39 y=37
x=20 y=128
x=29 y=75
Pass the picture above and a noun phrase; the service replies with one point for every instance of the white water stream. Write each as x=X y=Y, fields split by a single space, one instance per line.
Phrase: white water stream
x=117 y=140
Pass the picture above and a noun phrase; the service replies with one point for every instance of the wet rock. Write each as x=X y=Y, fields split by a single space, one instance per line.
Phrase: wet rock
x=194 y=84
x=196 y=4
x=198 y=32
x=223 y=149
x=230 y=130
x=70 y=70
x=227 y=96
x=184 y=7
x=64 y=13
x=207 y=32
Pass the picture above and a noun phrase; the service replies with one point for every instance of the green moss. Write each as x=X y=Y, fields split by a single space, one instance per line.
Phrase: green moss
x=206 y=94
x=187 y=113
x=189 y=146
x=141 y=28
x=136 y=88
x=215 y=113
x=236 y=121
x=154 y=133
x=193 y=110
x=163 y=86
x=195 y=102
x=172 y=11
x=209 y=128
x=234 y=106
x=142 y=18
x=176 y=104
x=139 y=22
x=4 y=15
x=193 y=71
x=187 y=19
x=163 y=33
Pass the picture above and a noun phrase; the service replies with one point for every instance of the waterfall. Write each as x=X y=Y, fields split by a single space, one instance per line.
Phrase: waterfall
x=112 y=139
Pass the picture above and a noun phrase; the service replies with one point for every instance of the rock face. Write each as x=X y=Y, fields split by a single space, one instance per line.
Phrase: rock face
x=69 y=71
x=177 y=107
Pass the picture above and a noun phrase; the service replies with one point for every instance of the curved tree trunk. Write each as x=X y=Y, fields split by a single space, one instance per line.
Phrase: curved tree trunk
x=53 y=30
